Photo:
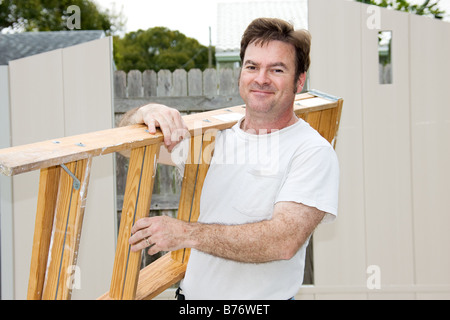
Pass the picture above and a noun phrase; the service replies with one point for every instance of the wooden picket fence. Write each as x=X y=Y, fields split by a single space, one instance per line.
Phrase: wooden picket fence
x=193 y=91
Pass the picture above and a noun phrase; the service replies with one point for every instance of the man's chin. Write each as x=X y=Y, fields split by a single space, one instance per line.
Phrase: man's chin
x=258 y=107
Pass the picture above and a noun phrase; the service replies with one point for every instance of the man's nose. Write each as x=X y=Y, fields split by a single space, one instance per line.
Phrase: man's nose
x=262 y=77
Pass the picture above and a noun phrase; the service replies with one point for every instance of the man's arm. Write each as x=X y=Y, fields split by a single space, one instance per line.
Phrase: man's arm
x=276 y=239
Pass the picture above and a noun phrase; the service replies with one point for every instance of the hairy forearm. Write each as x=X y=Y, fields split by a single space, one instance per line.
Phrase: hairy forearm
x=244 y=243
x=276 y=239
x=264 y=241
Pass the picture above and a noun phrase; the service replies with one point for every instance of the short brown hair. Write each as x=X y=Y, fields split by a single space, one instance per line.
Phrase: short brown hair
x=263 y=30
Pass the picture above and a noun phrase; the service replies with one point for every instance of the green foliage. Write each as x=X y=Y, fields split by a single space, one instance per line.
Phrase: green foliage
x=51 y=15
x=159 y=48
x=427 y=8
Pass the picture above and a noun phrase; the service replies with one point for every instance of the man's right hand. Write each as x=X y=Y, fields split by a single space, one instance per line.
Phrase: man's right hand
x=154 y=115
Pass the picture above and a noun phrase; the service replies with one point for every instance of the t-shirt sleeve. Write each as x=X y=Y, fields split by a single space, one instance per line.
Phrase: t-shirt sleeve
x=313 y=180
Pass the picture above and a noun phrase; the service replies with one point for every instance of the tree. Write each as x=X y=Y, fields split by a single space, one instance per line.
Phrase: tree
x=159 y=48
x=427 y=8
x=51 y=15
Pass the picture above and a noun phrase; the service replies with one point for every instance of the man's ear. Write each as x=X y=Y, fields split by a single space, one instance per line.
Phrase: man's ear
x=301 y=82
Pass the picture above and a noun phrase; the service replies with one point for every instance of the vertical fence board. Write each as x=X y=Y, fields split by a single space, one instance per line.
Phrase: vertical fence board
x=210 y=82
x=226 y=82
x=179 y=83
x=164 y=83
x=236 y=75
x=120 y=84
x=195 y=82
x=150 y=83
x=134 y=83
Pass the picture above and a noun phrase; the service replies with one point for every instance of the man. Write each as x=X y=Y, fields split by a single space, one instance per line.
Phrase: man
x=256 y=217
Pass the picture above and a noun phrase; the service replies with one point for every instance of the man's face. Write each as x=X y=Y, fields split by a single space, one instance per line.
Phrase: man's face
x=266 y=83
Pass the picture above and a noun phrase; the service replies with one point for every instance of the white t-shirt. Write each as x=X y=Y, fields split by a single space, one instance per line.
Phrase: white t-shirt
x=248 y=174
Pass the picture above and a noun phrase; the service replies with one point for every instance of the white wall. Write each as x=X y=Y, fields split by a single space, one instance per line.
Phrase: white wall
x=55 y=94
x=430 y=148
x=394 y=151
x=6 y=217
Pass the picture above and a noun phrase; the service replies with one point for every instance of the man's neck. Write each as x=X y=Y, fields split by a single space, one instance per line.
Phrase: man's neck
x=262 y=125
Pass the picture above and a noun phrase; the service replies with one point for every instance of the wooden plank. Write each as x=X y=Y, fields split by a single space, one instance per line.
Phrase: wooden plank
x=188 y=186
x=300 y=108
x=338 y=121
x=67 y=231
x=156 y=277
x=201 y=150
x=46 y=205
x=326 y=127
x=48 y=153
x=313 y=118
x=141 y=172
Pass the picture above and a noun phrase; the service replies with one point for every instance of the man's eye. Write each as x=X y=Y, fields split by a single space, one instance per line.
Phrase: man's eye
x=251 y=68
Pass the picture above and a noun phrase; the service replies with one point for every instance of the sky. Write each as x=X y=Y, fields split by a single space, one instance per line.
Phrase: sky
x=191 y=17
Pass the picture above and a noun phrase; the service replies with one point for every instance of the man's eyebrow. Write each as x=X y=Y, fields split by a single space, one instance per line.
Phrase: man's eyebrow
x=275 y=64
x=278 y=64
x=250 y=62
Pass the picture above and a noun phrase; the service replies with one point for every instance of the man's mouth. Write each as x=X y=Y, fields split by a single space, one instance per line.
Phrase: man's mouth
x=261 y=92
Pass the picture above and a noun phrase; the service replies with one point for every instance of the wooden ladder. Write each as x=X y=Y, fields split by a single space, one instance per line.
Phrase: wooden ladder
x=63 y=188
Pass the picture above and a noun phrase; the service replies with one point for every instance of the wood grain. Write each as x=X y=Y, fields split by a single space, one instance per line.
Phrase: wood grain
x=194 y=175
x=67 y=231
x=46 y=206
x=156 y=277
x=136 y=205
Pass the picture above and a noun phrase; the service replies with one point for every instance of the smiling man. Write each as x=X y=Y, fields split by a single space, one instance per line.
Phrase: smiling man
x=256 y=217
